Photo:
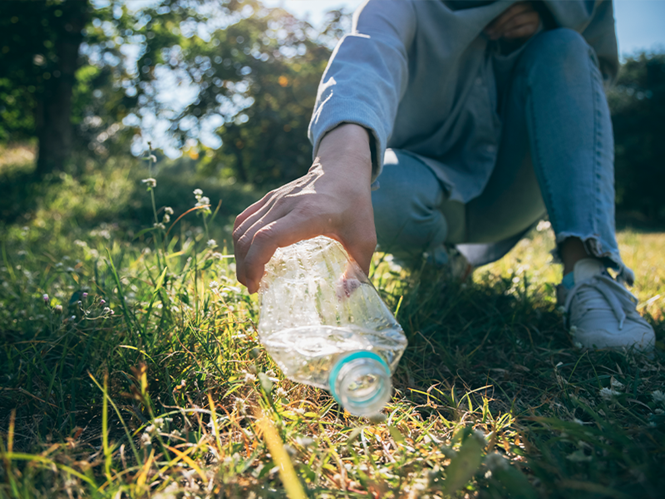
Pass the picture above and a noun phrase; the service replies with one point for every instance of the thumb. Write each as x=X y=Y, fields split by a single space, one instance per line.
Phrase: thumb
x=361 y=248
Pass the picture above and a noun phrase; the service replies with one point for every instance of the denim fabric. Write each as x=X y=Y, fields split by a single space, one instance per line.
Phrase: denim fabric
x=555 y=156
x=422 y=77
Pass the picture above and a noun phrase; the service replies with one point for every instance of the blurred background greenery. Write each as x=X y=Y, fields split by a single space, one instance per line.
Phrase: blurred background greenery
x=224 y=91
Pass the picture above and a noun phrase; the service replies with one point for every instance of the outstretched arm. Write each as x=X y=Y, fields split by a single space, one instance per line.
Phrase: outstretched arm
x=358 y=97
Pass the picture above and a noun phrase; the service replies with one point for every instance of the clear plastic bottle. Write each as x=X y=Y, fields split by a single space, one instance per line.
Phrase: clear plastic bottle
x=324 y=324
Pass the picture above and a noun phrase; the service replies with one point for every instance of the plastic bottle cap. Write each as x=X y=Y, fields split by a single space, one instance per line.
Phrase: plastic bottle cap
x=370 y=403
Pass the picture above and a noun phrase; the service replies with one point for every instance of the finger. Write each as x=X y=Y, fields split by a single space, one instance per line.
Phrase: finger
x=286 y=231
x=250 y=210
x=517 y=21
x=361 y=247
x=242 y=242
x=496 y=25
x=252 y=218
x=521 y=31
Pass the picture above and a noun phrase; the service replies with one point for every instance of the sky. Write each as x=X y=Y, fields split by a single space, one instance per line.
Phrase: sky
x=640 y=23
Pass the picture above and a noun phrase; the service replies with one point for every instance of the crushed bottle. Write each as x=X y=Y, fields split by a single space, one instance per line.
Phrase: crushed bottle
x=324 y=324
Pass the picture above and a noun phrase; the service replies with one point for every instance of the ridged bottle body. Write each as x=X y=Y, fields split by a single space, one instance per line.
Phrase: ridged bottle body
x=317 y=309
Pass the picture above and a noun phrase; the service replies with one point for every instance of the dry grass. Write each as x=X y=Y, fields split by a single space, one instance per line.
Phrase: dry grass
x=162 y=398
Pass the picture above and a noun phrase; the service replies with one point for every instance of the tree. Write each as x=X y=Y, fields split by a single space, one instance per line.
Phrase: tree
x=65 y=66
x=40 y=53
x=638 y=115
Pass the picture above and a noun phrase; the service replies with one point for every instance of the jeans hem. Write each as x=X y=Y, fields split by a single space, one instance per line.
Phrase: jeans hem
x=594 y=247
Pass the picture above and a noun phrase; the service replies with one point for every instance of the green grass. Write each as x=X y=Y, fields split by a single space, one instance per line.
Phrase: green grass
x=163 y=396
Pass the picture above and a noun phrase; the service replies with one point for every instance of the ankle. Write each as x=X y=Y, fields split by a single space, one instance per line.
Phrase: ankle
x=572 y=250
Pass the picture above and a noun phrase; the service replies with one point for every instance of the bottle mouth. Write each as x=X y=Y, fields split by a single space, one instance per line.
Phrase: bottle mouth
x=360 y=382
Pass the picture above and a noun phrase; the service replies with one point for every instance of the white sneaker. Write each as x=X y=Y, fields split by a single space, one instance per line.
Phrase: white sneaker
x=601 y=313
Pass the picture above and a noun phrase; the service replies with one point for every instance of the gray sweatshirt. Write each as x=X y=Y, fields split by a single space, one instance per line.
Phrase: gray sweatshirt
x=422 y=77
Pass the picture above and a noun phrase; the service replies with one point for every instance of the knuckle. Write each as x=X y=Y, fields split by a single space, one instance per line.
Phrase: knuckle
x=264 y=235
x=237 y=234
x=242 y=244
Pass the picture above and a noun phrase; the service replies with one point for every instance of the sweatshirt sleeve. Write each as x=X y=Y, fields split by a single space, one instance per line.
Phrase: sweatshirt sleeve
x=367 y=75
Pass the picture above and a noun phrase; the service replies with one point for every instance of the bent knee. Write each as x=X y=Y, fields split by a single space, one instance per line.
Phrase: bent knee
x=557 y=48
x=406 y=205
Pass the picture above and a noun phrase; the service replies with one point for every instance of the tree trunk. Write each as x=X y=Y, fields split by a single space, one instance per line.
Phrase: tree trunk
x=54 y=128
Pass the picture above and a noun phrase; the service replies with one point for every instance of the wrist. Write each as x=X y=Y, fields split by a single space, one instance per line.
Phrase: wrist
x=347 y=145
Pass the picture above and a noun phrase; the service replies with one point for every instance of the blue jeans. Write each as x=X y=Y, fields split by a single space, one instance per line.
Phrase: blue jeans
x=556 y=156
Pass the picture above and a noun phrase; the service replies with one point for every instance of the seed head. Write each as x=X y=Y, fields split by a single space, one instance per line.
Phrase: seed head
x=608 y=393
x=151 y=183
x=658 y=396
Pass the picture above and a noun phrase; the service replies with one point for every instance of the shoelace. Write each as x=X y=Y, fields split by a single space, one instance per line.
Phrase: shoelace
x=619 y=298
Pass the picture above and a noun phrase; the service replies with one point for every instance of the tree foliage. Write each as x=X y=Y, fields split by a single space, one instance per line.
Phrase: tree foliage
x=253 y=72
x=251 y=75
x=638 y=116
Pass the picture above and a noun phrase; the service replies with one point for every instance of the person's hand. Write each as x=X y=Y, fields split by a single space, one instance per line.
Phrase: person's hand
x=519 y=21
x=332 y=199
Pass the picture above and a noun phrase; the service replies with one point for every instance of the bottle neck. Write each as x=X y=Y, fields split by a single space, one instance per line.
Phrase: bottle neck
x=360 y=382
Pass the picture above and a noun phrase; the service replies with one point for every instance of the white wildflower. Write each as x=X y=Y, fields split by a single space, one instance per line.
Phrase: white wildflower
x=168 y=210
x=578 y=345
x=240 y=406
x=305 y=441
x=159 y=226
x=280 y=392
x=211 y=243
x=202 y=201
x=145 y=440
x=167 y=218
x=617 y=385
x=249 y=378
x=198 y=193
x=543 y=225
x=658 y=397
x=213 y=285
x=608 y=393
x=217 y=255
x=151 y=183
